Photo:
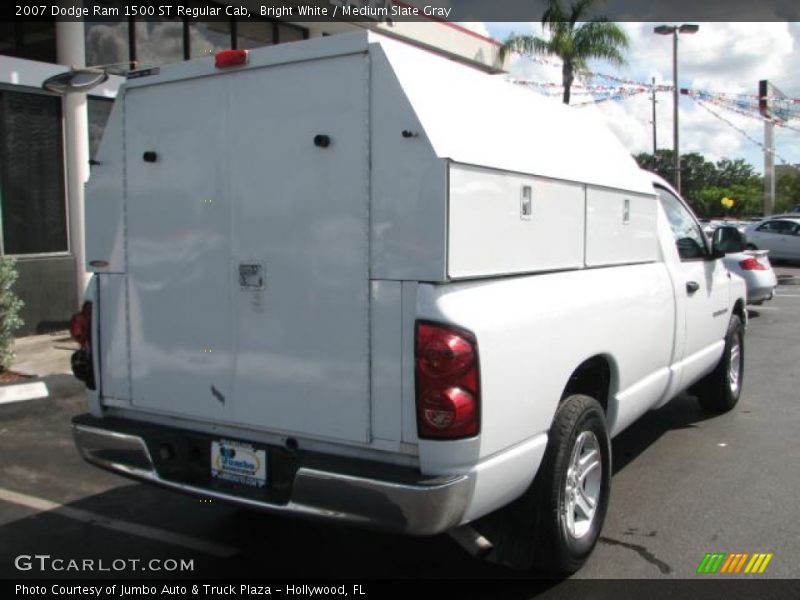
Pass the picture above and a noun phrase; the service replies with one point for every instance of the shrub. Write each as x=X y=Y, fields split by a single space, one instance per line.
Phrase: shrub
x=10 y=306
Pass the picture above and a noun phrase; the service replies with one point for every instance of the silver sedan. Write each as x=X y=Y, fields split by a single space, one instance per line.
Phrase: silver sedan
x=780 y=234
x=754 y=267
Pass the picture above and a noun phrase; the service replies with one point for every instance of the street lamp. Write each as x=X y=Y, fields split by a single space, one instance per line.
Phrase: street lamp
x=674 y=30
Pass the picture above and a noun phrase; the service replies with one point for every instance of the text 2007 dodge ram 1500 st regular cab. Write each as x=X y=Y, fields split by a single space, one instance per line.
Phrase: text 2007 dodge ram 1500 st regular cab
x=347 y=279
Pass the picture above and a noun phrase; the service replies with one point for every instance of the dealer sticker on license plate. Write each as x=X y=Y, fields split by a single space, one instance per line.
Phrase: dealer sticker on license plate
x=238 y=462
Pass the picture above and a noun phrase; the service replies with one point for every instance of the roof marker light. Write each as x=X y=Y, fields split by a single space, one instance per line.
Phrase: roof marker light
x=230 y=58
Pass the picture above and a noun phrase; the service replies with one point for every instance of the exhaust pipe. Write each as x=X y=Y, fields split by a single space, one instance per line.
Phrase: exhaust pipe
x=471 y=540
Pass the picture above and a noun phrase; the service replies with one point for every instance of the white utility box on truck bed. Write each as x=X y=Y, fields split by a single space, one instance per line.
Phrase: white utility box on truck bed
x=348 y=279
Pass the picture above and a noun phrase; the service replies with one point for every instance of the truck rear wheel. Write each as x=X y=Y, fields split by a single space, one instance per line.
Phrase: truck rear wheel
x=719 y=391
x=574 y=483
x=554 y=526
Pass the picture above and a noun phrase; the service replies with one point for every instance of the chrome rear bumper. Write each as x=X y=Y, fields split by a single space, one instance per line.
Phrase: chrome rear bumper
x=424 y=508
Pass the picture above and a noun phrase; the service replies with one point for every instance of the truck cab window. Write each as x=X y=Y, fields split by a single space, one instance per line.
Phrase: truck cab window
x=689 y=238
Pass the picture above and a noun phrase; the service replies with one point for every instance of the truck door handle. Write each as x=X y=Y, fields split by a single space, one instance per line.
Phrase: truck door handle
x=692 y=287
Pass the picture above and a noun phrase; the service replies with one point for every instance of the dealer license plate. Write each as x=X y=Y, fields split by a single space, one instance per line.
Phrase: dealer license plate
x=238 y=462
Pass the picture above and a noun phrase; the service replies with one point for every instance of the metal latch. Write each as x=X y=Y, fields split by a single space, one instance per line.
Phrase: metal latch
x=526 y=203
x=251 y=276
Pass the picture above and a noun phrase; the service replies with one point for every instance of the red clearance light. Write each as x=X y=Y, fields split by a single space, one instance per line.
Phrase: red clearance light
x=751 y=264
x=230 y=58
x=448 y=391
x=80 y=325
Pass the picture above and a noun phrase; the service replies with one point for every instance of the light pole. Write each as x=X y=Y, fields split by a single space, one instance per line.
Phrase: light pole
x=674 y=30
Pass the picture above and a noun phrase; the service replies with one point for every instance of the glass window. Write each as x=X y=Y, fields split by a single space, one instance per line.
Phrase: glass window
x=107 y=43
x=159 y=42
x=34 y=40
x=779 y=227
x=290 y=33
x=252 y=34
x=207 y=38
x=32 y=174
x=99 y=110
x=689 y=238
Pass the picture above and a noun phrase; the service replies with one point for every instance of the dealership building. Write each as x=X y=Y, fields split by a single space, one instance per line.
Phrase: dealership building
x=48 y=141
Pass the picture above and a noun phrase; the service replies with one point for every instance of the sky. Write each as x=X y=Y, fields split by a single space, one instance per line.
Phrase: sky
x=727 y=58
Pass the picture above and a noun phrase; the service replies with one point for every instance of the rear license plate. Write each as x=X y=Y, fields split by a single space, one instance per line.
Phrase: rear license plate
x=238 y=462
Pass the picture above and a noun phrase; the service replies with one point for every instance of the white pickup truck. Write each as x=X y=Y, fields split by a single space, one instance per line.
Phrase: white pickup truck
x=347 y=279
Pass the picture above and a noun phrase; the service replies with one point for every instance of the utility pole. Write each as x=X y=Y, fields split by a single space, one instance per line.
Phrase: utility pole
x=674 y=30
x=764 y=89
x=655 y=143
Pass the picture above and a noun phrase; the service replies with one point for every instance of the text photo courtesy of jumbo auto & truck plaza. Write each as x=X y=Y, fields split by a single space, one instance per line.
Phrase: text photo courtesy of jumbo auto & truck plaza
x=374 y=287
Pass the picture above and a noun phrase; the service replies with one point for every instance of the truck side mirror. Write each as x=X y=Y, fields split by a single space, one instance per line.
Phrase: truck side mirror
x=727 y=240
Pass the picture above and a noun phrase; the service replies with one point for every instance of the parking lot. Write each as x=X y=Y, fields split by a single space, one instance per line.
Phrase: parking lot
x=685 y=484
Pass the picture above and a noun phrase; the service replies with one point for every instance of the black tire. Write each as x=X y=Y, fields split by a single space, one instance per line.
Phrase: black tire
x=531 y=533
x=751 y=247
x=719 y=391
x=559 y=550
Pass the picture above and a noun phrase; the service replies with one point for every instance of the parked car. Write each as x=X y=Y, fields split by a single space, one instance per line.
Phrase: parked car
x=754 y=267
x=780 y=234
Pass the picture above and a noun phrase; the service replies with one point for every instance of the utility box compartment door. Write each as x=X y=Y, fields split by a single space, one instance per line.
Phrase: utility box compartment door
x=620 y=227
x=178 y=230
x=301 y=219
x=248 y=232
x=503 y=223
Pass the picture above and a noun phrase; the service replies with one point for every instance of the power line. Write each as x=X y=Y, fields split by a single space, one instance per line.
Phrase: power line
x=742 y=132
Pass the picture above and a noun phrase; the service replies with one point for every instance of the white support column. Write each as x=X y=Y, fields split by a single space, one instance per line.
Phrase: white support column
x=769 y=167
x=71 y=53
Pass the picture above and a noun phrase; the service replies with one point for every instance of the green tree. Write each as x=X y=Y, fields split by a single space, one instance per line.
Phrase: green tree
x=574 y=37
x=730 y=171
x=705 y=183
x=10 y=306
x=787 y=191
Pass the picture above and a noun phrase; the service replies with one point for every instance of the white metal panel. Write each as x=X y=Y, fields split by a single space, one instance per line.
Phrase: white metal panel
x=410 y=313
x=105 y=241
x=504 y=477
x=280 y=54
x=534 y=331
x=492 y=233
x=113 y=357
x=302 y=213
x=179 y=266
x=386 y=361
x=475 y=118
x=408 y=187
x=620 y=227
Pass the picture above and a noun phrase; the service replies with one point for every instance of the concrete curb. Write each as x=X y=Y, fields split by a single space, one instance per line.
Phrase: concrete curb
x=19 y=392
x=55 y=386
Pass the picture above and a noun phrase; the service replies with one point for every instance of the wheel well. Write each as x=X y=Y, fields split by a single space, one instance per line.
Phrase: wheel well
x=738 y=309
x=591 y=378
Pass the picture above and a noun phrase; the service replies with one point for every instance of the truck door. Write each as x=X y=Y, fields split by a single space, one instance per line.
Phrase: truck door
x=701 y=286
x=299 y=191
x=248 y=233
x=178 y=232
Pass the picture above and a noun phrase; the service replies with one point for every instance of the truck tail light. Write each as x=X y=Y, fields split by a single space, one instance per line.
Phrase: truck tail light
x=752 y=264
x=230 y=58
x=80 y=325
x=448 y=383
x=80 y=328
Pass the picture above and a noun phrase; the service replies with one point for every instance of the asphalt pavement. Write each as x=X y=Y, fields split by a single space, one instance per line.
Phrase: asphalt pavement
x=685 y=484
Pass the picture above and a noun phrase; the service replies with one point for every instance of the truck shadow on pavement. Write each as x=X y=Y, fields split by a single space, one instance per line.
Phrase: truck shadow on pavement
x=138 y=523
x=683 y=412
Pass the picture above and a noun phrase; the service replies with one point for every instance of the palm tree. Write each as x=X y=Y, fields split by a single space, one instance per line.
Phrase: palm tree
x=574 y=38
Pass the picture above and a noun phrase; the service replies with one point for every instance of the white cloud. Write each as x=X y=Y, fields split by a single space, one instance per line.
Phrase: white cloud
x=476 y=27
x=725 y=58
